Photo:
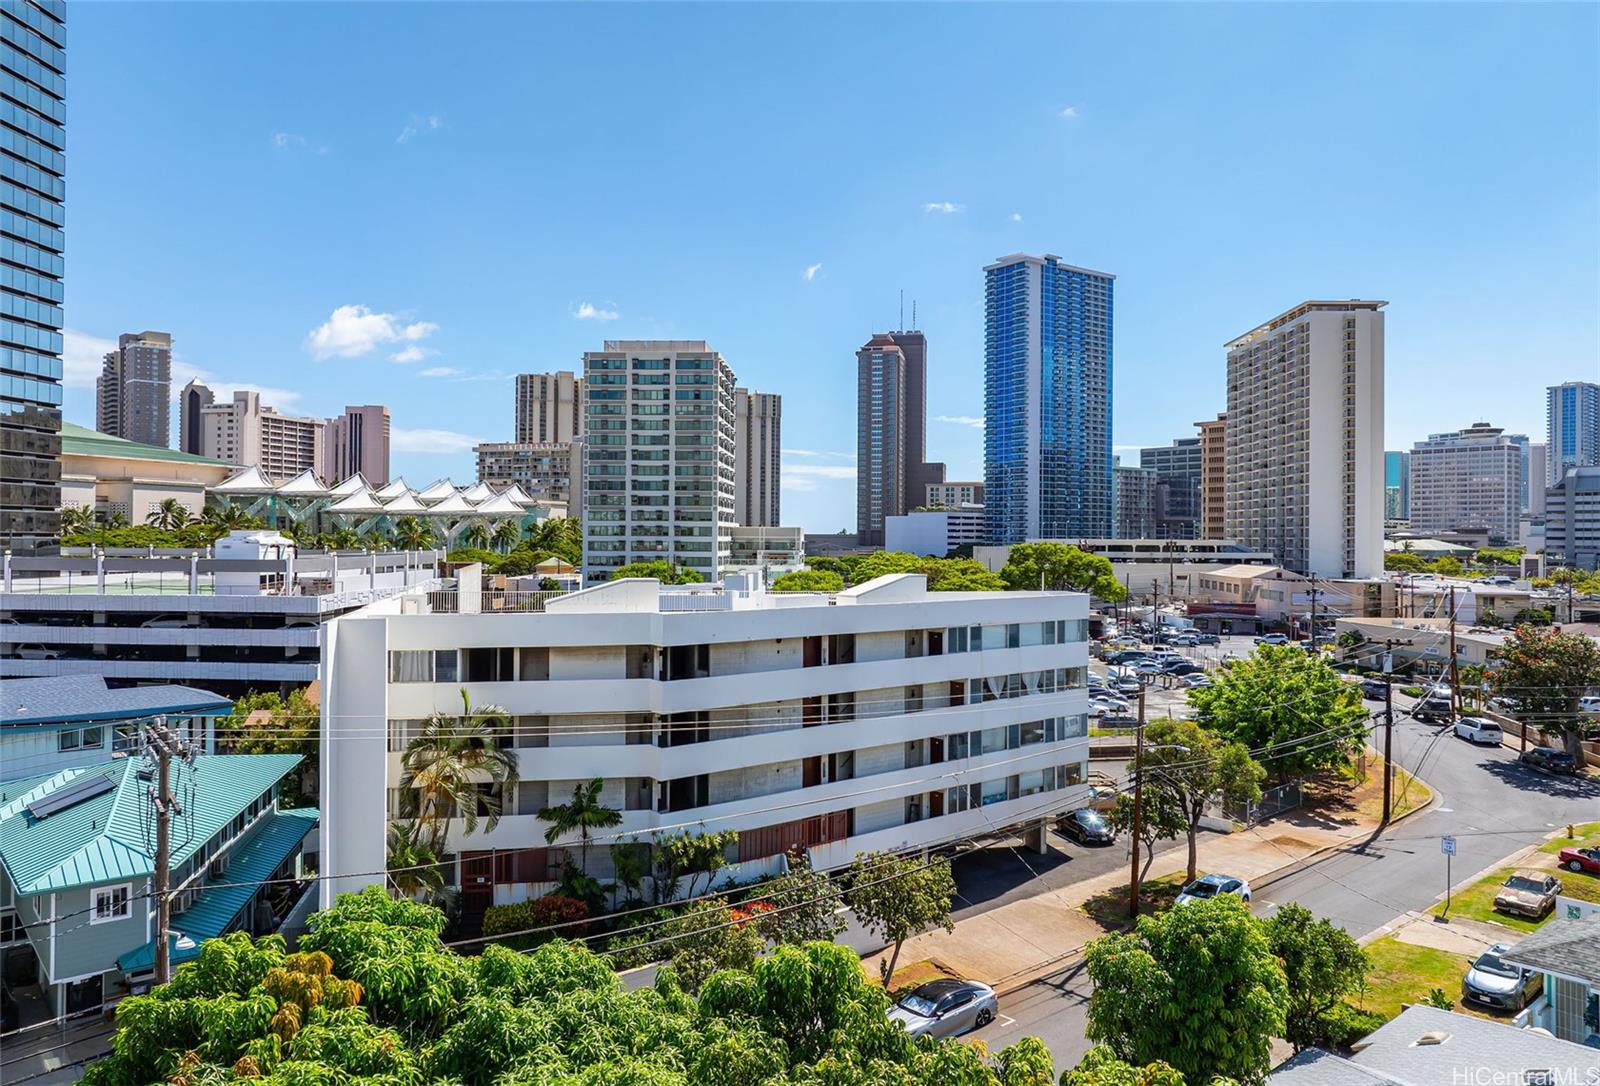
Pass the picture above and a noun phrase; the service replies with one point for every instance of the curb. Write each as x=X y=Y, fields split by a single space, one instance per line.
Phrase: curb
x=1022 y=978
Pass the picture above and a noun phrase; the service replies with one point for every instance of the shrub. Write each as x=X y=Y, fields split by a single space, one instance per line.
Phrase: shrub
x=1342 y=1025
x=538 y=913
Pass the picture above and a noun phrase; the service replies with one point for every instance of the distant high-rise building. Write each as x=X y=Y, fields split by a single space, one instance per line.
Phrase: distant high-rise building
x=1396 y=485
x=357 y=443
x=1133 y=500
x=659 y=465
x=1213 y=476
x=953 y=493
x=30 y=330
x=1524 y=447
x=1572 y=525
x=1572 y=415
x=545 y=470
x=192 y=399
x=244 y=431
x=758 y=436
x=1305 y=438
x=133 y=395
x=1047 y=400
x=1538 y=472
x=1178 y=469
x=1468 y=479
x=549 y=407
x=891 y=430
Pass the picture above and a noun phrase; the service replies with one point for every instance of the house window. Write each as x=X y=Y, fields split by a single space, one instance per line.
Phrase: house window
x=80 y=738
x=11 y=929
x=112 y=903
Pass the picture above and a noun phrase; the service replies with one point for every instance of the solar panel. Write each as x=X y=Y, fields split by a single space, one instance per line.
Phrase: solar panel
x=71 y=795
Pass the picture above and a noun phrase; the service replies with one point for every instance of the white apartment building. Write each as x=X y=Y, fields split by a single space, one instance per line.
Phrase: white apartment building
x=244 y=431
x=546 y=470
x=883 y=717
x=953 y=493
x=758 y=464
x=934 y=532
x=549 y=407
x=1468 y=479
x=1304 y=438
x=1572 y=525
x=660 y=476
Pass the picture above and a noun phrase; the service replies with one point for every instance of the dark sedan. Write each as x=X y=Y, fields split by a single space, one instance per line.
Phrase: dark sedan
x=1086 y=826
x=1182 y=667
x=1549 y=760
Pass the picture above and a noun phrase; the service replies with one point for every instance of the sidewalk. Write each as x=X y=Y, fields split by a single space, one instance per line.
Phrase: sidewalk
x=1023 y=936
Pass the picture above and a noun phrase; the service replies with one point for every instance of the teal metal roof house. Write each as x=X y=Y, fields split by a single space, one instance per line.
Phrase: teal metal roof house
x=77 y=911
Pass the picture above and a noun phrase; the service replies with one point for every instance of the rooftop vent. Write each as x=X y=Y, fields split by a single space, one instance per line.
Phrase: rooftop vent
x=1433 y=1037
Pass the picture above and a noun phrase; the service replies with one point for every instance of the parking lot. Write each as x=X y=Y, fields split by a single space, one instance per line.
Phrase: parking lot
x=1165 y=696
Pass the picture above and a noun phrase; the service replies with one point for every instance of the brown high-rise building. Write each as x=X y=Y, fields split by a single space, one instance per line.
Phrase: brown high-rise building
x=549 y=407
x=892 y=475
x=1213 y=463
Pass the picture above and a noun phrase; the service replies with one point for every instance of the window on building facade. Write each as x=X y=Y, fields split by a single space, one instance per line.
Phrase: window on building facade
x=112 y=903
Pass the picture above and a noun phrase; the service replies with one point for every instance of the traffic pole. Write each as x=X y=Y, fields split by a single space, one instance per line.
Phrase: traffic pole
x=1138 y=811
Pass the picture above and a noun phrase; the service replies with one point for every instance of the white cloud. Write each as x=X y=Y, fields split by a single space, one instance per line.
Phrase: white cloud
x=412 y=353
x=1070 y=112
x=283 y=399
x=82 y=354
x=944 y=207
x=812 y=270
x=355 y=330
x=418 y=125
x=961 y=420
x=814 y=476
x=440 y=371
x=443 y=442
x=588 y=311
x=291 y=141
x=819 y=452
x=1016 y=216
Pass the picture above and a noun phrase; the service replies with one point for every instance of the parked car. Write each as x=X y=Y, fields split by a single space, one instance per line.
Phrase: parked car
x=1582 y=860
x=37 y=652
x=1147 y=667
x=1493 y=982
x=1203 y=638
x=1184 y=667
x=1195 y=682
x=1528 y=893
x=1272 y=639
x=169 y=622
x=1479 y=730
x=1086 y=826
x=1125 y=657
x=944 y=1008
x=1433 y=710
x=1549 y=760
x=1129 y=686
x=1209 y=886
x=1104 y=706
x=1374 y=689
x=1589 y=705
x=1118 y=720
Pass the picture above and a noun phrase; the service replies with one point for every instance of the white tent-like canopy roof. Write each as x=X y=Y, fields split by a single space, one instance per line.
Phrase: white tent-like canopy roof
x=438 y=491
x=405 y=504
x=480 y=492
x=353 y=485
x=393 y=490
x=500 y=505
x=454 y=504
x=249 y=481
x=515 y=493
x=304 y=485
x=360 y=503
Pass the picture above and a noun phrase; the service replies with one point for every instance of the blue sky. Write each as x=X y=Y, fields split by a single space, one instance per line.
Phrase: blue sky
x=408 y=203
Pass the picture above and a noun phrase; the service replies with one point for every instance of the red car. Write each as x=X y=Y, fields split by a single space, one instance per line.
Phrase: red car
x=1581 y=859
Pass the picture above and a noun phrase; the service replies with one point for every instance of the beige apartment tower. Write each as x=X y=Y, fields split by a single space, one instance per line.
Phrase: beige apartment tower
x=357 y=443
x=758 y=423
x=1304 y=438
x=133 y=394
x=244 y=431
x=549 y=407
x=1213 y=471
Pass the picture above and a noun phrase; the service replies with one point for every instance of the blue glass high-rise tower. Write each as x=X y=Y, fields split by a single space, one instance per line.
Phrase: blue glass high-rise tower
x=1572 y=415
x=32 y=168
x=1046 y=400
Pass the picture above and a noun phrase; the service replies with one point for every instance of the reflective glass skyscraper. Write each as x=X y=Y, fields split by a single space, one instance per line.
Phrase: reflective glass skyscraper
x=32 y=169
x=1046 y=400
x=1572 y=416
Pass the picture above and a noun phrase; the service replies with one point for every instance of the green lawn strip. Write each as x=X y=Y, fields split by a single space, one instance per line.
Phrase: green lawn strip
x=1110 y=908
x=1476 y=902
x=1588 y=835
x=1404 y=973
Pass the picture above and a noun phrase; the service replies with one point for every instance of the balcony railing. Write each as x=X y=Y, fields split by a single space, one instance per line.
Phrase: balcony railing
x=492 y=600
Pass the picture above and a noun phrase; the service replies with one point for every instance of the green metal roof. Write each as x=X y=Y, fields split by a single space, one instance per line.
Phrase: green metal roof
x=77 y=441
x=251 y=864
x=102 y=840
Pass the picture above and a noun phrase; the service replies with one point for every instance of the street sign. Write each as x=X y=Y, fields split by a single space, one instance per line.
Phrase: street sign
x=1447 y=845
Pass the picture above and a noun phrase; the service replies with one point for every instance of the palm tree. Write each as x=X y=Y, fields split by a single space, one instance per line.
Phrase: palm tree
x=447 y=762
x=506 y=534
x=584 y=813
x=412 y=534
x=342 y=539
x=561 y=536
x=229 y=518
x=476 y=535
x=76 y=519
x=117 y=519
x=169 y=516
x=413 y=865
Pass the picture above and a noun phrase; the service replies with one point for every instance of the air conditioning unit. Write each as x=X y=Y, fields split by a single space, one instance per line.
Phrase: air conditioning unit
x=219 y=866
x=182 y=901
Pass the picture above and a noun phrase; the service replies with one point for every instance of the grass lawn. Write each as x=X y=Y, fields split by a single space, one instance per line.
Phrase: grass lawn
x=1405 y=973
x=1476 y=902
x=1586 y=833
x=1110 y=909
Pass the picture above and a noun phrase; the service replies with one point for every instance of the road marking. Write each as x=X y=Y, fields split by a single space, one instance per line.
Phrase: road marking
x=1004 y=1021
x=1446 y=810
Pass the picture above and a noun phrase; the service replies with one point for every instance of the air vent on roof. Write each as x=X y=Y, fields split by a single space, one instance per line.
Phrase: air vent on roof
x=71 y=795
x=1433 y=1037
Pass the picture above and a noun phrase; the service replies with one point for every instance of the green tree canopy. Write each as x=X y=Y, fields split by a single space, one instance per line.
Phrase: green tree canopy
x=1061 y=568
x=1403 y=562
x=1188 y=765
x=896 y=897
x=1101 y=1067
x=661 y=570
x=808 y=580
x=1321 y=963
x=1197 y=987
x=1291 y=701
x=1160 y=819
x=1546 y=673
x=803 y=904
x=268 y=723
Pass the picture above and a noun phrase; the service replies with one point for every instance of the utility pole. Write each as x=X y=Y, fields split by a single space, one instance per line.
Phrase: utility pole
x=161 y=746
x=1455 y=675
x=1313 y=612
x=1138 y=810
x=1388 y=730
